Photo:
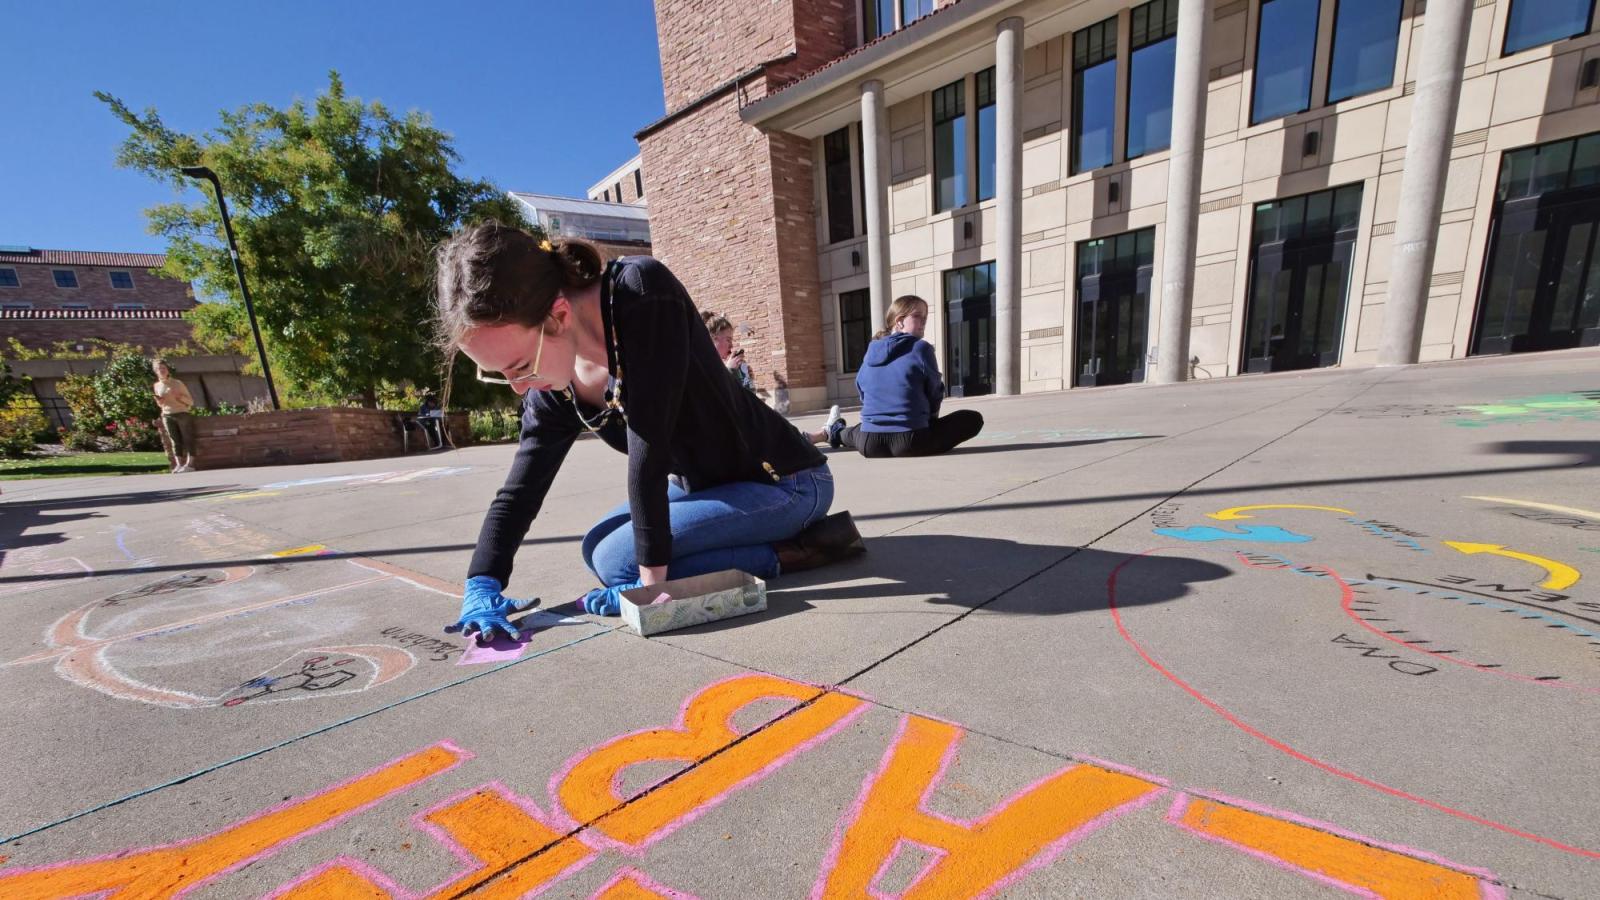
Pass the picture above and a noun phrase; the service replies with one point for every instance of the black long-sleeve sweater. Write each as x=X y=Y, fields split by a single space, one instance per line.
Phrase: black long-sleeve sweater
x=684 y=415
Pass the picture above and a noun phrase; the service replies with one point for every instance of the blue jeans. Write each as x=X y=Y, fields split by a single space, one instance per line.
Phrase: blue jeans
x=730 y=526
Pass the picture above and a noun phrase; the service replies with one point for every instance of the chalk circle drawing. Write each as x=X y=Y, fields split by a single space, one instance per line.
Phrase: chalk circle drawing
x=103 y=656
x=1268 y=534
x=506 y=843
x=1253 y=731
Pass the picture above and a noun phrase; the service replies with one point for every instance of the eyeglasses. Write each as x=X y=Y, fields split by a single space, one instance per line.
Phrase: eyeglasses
x=533 y=373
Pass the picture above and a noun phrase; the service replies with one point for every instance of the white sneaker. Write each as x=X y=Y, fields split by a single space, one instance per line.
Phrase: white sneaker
x=833 y=416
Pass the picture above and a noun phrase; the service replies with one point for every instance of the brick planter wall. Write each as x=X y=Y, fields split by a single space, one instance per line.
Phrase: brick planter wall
x=296 y=436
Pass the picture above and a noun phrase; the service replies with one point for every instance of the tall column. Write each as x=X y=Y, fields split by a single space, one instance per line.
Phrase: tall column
x=875 y=159
x=1190 y=83
x=1416 y=234
x=1008 y=206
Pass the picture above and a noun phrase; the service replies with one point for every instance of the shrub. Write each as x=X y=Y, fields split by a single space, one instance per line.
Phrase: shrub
x=493 y=426
x=88 y=419
x=123 y=388
x=21 y=421
x=79 y=440
x=133 y=434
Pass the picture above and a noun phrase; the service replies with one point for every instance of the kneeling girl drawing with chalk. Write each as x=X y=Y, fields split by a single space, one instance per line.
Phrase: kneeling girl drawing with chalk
x=619 y=349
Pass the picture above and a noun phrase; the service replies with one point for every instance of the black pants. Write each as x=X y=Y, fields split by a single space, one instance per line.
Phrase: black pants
x=939 y=437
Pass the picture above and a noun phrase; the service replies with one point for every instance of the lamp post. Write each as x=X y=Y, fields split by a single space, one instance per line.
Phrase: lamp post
x=238 y=270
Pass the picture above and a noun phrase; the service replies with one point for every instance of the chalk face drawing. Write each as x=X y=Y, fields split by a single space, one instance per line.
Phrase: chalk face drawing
x=504 y=844
x=125 y=644
x=1269 y=534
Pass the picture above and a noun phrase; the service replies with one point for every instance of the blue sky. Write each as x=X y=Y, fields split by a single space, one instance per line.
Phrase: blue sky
x=541 y=95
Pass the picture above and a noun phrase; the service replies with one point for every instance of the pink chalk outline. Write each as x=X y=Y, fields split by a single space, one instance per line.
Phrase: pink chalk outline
x=1044 y=857
x=1489 y=889
x=461 y=755
x=501 y=649
x=598 y=840
x=628 y=873
x=469 y=863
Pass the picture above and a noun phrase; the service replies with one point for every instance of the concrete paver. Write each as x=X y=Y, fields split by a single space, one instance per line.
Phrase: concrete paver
x=1280 y=636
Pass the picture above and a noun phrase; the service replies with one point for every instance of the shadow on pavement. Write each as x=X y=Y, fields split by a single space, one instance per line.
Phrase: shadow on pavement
x=974 y=449
x=900 y=566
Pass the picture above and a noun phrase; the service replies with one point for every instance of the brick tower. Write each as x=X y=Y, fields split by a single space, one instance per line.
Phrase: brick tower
x=724 y=197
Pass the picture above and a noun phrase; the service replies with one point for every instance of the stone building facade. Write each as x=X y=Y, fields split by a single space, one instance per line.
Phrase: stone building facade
x=1061 y=178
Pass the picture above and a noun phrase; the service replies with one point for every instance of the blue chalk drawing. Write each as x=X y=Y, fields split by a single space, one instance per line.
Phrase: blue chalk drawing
x=1270 y=534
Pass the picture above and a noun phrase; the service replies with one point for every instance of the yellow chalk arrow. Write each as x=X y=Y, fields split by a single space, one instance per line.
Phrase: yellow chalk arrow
x=1238 y=512
x=1561 y=574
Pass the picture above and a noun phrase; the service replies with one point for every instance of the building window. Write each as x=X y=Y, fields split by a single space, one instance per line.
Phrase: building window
x=127 y=306
x=1153 y=49
x=17 y=306
x=122 y=281
x=65 y=278
x=985 y=134
x=74 y=306
x=855 y=327
x=1286 y=49
x=608 y=195
x=619 y=193
x=879 y=18
x=1094 y=94
x=638 y=182
x=912 y=10
x=8 y=277
x=861 y=177
x=1535 y=22
x=836 y=175
x=950 y=147
x=1366 y=35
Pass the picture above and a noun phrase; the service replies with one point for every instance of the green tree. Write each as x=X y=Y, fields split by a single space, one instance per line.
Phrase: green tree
x=337 y=206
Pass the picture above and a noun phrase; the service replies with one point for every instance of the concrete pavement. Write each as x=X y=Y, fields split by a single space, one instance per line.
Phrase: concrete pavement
x=1290 y=635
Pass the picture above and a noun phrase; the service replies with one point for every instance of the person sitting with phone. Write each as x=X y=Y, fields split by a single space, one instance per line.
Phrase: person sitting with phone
x=722 y=338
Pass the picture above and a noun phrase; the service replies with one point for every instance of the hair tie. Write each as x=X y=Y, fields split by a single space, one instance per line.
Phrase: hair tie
x=545 y=246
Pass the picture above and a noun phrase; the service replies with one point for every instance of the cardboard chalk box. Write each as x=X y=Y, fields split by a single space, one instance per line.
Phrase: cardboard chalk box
x=683 y=602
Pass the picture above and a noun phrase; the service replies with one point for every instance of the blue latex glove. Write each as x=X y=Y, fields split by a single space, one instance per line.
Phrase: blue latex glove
x=484 y=609
x=606 y=601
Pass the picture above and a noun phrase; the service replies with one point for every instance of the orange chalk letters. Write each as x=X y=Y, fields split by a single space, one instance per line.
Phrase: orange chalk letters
x=976 y=857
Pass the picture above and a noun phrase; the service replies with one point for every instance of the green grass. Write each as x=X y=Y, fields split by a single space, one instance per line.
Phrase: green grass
x=83 y=464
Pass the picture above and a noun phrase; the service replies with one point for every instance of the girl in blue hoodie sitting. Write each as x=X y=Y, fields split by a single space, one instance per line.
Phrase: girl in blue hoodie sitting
x=901 y=390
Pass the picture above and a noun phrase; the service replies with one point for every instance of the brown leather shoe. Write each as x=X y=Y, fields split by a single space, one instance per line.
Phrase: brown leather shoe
x=826 y=541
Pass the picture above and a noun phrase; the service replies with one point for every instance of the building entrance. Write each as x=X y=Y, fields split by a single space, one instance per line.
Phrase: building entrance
x=1542 y=285
x=969 y=330
x=1113 y=307
x=1301 y=250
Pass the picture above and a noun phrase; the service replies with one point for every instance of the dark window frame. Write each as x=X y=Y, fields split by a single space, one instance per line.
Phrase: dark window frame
x=1505 y=39
x=55 y=275
x=638 y=182
x=838 y=197
x=851 y=362
x=1333 y=50
x=979 y=101
x=871 y=27
x=1086 y=57
x=1137 y=40
x=1255 y=68
x=75 y=304
x=9 y=278
x=112 y=275
x=943 y=114
x=128 y=306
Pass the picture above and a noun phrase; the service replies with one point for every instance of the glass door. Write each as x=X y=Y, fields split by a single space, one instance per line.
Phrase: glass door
x=1300 y=280
x=1542 y=284
x=1113 y=307
x=969 y=330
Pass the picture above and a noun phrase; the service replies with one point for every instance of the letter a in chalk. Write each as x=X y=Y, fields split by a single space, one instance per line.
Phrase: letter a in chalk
x=971 y=858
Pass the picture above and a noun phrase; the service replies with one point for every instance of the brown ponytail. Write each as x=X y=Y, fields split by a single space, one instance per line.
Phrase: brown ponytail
x=494 y=274
x=901 y=307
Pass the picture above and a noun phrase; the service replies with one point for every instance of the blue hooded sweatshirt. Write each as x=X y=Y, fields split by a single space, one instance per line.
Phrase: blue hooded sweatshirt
x=899 y=384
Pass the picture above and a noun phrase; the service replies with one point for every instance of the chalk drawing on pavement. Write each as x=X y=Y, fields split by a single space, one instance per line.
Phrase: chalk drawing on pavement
x=505 y=841
x=1268 y=534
